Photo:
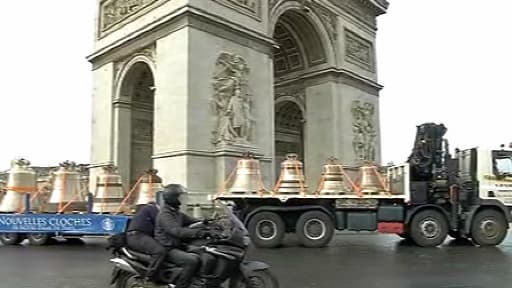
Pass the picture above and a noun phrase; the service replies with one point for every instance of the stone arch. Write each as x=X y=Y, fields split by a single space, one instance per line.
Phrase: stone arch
x=308 y=19
x=304 y=46
x=134 y=118
x=126 y=67
x=289 y=128
x=291 y=98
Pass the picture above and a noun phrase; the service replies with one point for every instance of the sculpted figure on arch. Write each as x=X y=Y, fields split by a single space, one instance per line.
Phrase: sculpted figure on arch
x=231 y=100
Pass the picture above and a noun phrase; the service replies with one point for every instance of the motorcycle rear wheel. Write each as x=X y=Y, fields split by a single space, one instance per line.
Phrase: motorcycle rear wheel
x=257 y=279
x=134 y=281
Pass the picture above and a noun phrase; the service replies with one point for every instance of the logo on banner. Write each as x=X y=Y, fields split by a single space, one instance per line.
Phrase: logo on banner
x=108 y=224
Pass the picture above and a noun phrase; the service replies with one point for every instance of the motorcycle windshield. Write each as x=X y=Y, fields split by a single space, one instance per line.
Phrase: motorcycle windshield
x=222 y=210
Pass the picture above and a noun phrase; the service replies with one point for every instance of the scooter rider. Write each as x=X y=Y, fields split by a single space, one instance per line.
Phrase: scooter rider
x=140 y=236
x=172 y=232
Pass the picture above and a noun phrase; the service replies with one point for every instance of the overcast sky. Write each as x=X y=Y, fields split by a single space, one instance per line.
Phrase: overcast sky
x=441 y=61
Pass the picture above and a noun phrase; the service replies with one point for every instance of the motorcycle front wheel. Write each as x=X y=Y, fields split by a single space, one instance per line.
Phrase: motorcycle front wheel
x=257 y=279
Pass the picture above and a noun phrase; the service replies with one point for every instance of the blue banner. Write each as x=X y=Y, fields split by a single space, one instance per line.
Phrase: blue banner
x=63 y=223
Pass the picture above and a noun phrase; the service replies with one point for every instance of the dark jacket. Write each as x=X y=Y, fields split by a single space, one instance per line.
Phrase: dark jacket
x=171 y=227
x=144 y=220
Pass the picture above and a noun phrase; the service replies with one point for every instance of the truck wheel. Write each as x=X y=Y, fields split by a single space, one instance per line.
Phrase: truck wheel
x=428 y=228
x=266 y=229
x=488 y=228
x=38 y=239
x=314 y=229
x=11 y=238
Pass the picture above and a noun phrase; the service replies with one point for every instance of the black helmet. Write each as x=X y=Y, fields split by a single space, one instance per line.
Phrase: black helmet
x=171 y=194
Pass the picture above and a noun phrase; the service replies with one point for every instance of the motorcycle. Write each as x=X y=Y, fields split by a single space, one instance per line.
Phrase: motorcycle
x=222 y=259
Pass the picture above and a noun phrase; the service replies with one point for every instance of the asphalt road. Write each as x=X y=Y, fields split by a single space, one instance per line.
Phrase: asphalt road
x=352 y=260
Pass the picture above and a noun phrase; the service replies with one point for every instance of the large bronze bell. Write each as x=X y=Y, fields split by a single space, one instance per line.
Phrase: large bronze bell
x=333 y=179
x=2 y=190
x=148 y=185
x=247 y=177
x=370 y=181
x=21 y=180
x=109 y=191
x=67 y=194
x=291 y=180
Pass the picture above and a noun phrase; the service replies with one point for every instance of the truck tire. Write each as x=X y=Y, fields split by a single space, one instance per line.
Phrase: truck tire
x=11 y=238
x=314 y=229
x=429 y=228
x=488 y=228
x=38 y=239
x=266 y=229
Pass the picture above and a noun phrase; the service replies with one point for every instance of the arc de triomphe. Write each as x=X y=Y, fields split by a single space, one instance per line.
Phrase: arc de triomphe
x=186 y=86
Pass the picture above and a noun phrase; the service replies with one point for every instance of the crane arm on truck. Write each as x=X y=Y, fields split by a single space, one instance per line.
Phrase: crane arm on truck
x=427 y=153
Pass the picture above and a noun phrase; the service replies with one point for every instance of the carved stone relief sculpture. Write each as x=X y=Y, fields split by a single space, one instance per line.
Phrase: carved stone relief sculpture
x=113 y=11
x=359 y=51
x=364 y=130
x=232 y=101
x=248 y=7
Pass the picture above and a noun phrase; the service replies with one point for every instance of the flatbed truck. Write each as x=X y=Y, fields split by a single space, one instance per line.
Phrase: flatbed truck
x=433 y=195
x=39 y=228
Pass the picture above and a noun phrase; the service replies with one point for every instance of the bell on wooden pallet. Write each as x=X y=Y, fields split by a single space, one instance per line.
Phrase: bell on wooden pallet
x=67 y=194
x=21 y=180
x=149 y=184
x=109 y=192
x=370 y=181
x=333 y=179
x=291 y=180
x=247 y=177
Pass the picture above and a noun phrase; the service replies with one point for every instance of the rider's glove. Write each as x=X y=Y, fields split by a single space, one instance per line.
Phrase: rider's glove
x=215 y=235
x=202 y=234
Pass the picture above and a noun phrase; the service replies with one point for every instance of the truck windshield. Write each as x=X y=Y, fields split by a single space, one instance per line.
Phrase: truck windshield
x=504 y=166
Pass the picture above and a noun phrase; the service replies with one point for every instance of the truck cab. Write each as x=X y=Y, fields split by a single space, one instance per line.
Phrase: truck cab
x=490 y=171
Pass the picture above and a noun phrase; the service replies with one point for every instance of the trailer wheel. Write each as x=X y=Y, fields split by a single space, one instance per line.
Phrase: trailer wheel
x=11 y=238
x=429 y=228
x=266 y=229
x=38 y=239
x=314 y=229
x=488 y=228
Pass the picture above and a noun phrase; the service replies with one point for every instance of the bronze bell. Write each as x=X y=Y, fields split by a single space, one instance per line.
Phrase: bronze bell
x=2 y=190
x=248 y=176
x=109 y=191
x=21 y=180
x=67 y=193
x=148 y=185
x=332 y=181
x=370 y=180
x=291 y=180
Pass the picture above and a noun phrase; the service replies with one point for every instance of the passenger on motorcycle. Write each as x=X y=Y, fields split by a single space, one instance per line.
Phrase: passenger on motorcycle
x=140 y=236
x=172 y=232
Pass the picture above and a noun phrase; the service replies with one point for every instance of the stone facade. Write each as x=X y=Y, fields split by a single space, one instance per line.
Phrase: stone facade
x=187 y=86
